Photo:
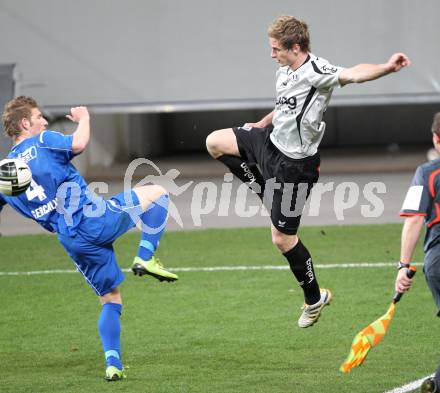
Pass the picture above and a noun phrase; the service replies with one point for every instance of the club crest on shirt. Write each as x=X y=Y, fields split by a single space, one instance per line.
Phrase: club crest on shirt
x=291 y=78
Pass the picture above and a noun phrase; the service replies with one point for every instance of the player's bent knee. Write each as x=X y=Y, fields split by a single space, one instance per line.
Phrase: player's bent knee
x=284 y=242
x=112 y=297
x=149 y=194
x=222 y=142
x=159 y=190
x=213 y=144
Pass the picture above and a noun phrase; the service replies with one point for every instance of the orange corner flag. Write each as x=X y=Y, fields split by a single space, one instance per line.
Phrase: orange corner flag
x=367 y=338
x=371 y=336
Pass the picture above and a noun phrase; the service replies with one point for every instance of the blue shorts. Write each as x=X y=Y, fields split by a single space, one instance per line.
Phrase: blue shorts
x=92 y=247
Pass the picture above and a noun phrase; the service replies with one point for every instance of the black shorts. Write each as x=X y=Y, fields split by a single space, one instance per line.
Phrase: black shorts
x=288 y=181
x=431 y=268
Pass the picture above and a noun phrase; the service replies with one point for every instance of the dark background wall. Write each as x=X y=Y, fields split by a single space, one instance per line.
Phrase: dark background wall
x=351 y=126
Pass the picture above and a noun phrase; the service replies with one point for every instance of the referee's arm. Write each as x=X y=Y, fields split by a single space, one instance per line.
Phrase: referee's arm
x=410 y=235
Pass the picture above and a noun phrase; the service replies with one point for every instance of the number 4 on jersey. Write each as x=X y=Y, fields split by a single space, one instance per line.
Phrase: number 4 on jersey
x=35 y=191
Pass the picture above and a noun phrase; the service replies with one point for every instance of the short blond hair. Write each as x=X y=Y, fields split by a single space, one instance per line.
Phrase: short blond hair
x=436 y=124
x=15 y=111
x=290 y=31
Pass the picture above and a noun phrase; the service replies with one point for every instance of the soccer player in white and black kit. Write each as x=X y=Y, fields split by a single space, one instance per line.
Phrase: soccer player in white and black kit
x=278 y=156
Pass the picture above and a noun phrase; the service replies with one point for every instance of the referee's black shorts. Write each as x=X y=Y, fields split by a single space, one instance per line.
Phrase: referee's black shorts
x=288 y=181
x=431 y=268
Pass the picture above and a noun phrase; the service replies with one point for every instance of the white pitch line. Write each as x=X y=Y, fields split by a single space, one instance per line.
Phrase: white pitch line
x=224 y=268
x=409 y=387
x=37 y=272
x=403 y=389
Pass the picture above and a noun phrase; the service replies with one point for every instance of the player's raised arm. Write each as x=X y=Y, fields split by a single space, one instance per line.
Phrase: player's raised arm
x=81 y=136
x=368 y=72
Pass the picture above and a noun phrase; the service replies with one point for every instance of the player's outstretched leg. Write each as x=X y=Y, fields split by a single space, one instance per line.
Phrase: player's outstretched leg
x=153 y=222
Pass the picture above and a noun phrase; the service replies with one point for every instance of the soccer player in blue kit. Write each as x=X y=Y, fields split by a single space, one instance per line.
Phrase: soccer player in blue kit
x=86 y=225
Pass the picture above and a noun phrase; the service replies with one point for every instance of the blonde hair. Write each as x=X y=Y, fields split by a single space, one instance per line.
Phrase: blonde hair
x=15 y=111
x=289 y=31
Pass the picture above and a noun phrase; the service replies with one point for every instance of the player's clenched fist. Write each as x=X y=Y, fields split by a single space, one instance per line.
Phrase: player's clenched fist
x=77 y=113
x=397 y=61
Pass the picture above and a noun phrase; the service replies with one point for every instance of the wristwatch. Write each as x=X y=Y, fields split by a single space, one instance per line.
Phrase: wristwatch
x=402 y=265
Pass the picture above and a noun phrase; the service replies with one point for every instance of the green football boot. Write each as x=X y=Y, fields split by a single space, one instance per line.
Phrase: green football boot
x=113 y=374
x=153 y=268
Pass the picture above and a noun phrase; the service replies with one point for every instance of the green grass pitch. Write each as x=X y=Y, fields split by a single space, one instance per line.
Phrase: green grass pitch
x=220 y=331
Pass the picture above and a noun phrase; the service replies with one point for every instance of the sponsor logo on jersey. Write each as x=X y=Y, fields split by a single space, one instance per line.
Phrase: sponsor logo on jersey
x=328 y=69
x=289 y=101
x=28 y=154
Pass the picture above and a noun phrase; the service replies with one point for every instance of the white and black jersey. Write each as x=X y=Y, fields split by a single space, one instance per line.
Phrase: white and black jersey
x=302 y=98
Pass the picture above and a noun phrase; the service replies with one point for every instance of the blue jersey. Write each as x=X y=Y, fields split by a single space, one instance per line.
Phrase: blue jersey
x=58 y=193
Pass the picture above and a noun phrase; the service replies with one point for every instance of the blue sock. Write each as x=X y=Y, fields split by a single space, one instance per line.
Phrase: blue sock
x=109 y=328
x=153 y=226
